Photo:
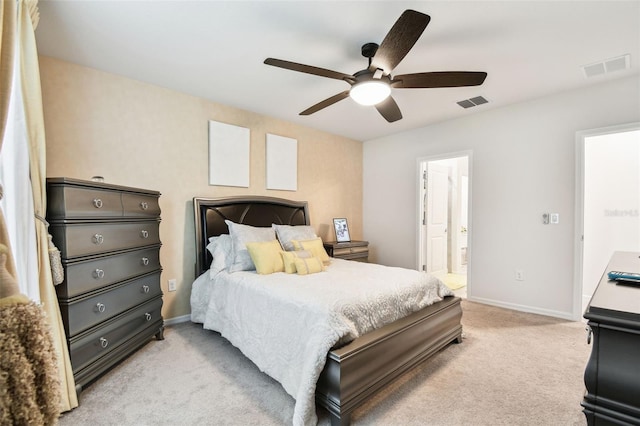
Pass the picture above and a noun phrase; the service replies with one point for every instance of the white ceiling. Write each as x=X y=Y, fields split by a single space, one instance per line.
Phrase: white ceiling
x=215 y=50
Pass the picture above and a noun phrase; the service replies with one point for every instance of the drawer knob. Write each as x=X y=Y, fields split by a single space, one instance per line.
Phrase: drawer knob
x=98 y=274
x=145 y=261
x=145 y=289
x=144 y=205
x=101 y=307
x=147 y=316
x=97 y=203
x=98 y=239
x=104 y=342
x=145 y=234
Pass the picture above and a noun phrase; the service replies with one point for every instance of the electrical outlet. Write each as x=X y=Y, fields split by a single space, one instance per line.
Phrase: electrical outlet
x=555 y=218
x=172 y=284
x=519 y=275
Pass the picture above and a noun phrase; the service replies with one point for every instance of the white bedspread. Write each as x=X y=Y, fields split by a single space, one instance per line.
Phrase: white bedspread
x=286 y=324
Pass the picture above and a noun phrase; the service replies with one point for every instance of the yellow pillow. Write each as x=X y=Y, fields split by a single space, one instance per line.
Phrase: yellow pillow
x=266 y=256
x=314 y=246
x=310 y=265
x=289 y=259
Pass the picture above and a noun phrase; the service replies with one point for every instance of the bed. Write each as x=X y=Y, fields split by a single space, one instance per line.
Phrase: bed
x=353 y=371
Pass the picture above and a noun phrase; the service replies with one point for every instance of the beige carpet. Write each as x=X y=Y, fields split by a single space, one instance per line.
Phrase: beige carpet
x=512 y=369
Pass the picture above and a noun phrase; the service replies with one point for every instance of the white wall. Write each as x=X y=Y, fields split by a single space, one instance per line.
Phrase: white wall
x=523 y=165
x=611 y=202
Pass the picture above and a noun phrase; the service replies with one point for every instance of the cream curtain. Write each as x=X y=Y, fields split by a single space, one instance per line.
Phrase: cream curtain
x=7 y=55
x=32 y=97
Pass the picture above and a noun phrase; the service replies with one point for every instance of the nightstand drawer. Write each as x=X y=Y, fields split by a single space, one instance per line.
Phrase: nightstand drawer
x=350 y=250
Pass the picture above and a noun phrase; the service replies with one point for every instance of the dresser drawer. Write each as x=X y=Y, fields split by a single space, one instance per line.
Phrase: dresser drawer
x=140 y=205
x=84 y=313
x=83 y=203
x=88 y=275
x=86 y=239
x=89 y=346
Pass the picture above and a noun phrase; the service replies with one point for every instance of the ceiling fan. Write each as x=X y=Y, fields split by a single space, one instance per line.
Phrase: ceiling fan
x=372 y=85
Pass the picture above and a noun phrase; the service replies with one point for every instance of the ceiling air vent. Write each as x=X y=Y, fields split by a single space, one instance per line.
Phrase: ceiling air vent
x=608 y=65
x=468 y=103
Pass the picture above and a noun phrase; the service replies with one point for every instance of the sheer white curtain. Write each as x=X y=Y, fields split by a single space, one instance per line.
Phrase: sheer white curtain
x=23 y=173
x=17 y=202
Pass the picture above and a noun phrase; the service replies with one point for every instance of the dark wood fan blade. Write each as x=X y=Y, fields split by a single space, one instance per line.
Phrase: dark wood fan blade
x=322 y=72
x=399 y=41
x=389 y=110
x=439 y=79
x=327 y=102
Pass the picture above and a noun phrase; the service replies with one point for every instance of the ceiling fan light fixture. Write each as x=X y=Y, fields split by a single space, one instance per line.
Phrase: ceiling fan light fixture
x=370 y=92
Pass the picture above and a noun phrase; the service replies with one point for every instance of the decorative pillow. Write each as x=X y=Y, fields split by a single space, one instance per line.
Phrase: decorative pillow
x=289 y=259
x=240 y=236
x=288 y=233
x=315 y=247
x=220 y=249
x=309 y=266
x=266 y=256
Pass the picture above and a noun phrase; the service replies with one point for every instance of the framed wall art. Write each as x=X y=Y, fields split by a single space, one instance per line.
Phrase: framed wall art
x=282 y=163
x=229 y=147
x=342 y=230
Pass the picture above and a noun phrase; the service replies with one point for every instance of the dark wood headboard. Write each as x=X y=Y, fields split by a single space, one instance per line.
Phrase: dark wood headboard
x=210 y=214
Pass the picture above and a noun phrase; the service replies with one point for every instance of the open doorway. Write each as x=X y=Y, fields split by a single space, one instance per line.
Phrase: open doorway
x=608 y=195
x=443 y=243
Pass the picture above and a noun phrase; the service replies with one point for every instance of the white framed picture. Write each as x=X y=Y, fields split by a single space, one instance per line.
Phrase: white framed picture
x=229 y=148
x=282 y=163
x=342 y=230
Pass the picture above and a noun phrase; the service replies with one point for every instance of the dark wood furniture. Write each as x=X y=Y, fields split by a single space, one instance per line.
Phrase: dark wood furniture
x=110 y=299
x=350 y=250
x=357 y=370
x=612 y=375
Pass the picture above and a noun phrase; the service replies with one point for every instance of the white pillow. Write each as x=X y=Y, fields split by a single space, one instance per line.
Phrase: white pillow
x=287 y=233
x=220 y=249
x=240 y=236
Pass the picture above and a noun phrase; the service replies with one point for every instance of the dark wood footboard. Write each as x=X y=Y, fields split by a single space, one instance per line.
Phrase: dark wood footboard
x=357 y=370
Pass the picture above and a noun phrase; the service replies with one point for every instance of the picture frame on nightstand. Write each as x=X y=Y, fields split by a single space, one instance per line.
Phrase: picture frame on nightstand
x=342 y=230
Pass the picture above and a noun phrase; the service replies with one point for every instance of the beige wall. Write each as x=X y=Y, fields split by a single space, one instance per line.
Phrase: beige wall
x=140 y=135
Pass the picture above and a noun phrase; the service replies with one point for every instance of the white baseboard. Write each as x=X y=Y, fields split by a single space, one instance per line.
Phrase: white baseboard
x=524 y=308
x=177 y=320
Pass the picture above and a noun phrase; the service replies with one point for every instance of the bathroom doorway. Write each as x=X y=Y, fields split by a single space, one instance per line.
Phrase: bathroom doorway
x=444 y=195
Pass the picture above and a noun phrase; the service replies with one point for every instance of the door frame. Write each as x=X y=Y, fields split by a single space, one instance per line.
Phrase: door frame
x=420 y=210
x=579 y=207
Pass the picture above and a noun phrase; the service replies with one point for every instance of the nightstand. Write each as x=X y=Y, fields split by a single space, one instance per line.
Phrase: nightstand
x=350 y=250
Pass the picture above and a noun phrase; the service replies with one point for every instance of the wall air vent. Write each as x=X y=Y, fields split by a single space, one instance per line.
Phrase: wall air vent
x=468 y=103
x=618 y=63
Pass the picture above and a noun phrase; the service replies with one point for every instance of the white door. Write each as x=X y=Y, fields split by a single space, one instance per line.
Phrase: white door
x=436 y=217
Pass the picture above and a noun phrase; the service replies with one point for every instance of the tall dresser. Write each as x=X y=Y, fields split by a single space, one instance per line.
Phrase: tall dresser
x=111 y=298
